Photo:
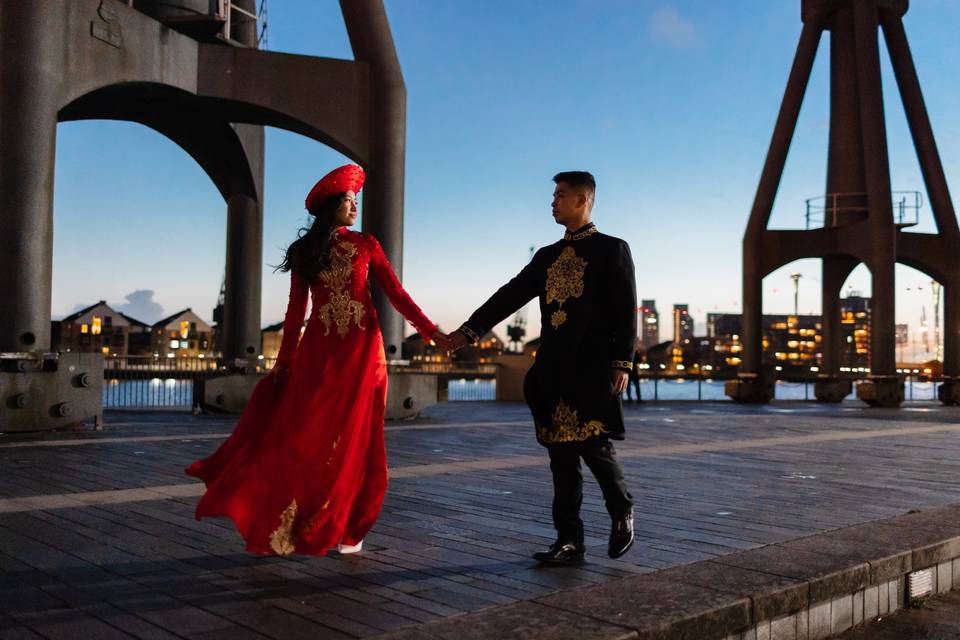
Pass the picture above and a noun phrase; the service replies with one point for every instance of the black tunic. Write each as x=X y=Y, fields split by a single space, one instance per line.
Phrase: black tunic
x=588 y=301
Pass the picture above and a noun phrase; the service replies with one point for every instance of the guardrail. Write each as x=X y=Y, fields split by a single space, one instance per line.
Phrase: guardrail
x=148 y=382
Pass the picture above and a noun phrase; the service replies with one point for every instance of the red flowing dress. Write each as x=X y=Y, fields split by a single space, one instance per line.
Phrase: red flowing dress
x=306 y=467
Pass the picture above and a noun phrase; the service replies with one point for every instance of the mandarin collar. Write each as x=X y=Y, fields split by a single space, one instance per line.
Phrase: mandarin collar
x=341 y=231
x=586 y=230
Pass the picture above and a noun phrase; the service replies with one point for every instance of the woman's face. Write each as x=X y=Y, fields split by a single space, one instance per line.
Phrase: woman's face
x=346 y=213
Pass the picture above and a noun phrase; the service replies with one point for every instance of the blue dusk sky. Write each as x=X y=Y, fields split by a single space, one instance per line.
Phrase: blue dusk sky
x=670 y=104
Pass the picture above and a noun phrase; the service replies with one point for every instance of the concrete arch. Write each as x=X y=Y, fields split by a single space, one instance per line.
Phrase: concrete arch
x=211 y=142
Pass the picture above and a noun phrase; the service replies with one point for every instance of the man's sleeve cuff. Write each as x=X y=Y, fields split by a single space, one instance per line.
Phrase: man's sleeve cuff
x=470 y=333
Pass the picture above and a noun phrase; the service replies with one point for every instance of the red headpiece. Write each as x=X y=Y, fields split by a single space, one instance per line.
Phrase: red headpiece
x=349 y=177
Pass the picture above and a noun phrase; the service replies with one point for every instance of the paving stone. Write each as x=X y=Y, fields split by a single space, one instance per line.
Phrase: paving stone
x=871 y=603
x=819 y=621
x=650 y=605
x=458 y=524
x=784 y=628
x=772 y=595
x=938 y=619
x=827 y=575
x=803 y=625
x=883 y=597
x=858 y=608
x=945 y=576
x=851 y=547
x=841 y=614
x=524 y=620
x=895 y=592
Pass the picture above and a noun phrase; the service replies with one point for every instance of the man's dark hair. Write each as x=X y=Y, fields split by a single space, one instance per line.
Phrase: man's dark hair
x=578 y=180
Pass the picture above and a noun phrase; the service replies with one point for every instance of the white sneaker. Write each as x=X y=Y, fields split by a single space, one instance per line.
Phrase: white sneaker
x=346 y=549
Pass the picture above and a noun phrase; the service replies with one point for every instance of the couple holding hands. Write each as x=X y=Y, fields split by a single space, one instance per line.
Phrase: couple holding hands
x=305 y=468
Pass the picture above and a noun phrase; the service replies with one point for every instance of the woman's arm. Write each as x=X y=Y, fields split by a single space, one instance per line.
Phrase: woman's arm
x=293 y=320
x=399 y=298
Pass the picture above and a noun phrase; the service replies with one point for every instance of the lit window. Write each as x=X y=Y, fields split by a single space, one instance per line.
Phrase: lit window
x=184 y=329
x=105 y=350
x=84 y=328
x=174 y=344
x=97 y=325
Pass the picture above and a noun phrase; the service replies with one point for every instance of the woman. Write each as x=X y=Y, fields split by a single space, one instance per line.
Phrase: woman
x=305 y=469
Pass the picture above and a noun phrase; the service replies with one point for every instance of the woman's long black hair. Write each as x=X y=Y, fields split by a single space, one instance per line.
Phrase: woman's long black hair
x=309 y=254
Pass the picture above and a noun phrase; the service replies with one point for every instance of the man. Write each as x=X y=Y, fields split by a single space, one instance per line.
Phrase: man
x=585 y=283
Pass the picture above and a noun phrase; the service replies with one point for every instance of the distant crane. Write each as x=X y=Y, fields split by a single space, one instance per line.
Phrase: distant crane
x=518 y=328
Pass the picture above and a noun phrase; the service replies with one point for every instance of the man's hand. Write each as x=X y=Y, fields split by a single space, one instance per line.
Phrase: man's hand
x=458 y=340
x=618 y=381
x=442 y=340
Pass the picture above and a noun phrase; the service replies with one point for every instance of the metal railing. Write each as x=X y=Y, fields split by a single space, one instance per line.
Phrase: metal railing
x=824 y=211
x=707 y=388
x=155 y=382
x=149 y=382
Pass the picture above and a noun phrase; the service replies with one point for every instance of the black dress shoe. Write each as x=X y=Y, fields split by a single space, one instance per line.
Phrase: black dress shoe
x=561 y=553
x=621 y=536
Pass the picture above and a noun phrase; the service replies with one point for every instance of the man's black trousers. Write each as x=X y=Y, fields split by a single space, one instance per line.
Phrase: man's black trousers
x=600 y=457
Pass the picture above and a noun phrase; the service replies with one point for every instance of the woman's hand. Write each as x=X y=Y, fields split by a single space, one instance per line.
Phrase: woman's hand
x=442 y=340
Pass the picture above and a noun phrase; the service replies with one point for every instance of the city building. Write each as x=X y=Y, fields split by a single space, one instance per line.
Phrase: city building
x=184 y=334
x=270 y=339
x=682 y=324
x=855 y=332
x=649 y=324
x=95 y=329
x=139 y=337
x=790 y=342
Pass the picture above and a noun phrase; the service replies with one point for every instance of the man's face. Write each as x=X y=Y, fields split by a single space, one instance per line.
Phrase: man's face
x=567 y=203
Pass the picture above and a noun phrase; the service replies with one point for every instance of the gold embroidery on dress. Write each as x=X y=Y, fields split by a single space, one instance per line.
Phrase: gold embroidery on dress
x=341 y=308
x=282 y=540
x=622 y=364
x=564 y=280
x=567 y=427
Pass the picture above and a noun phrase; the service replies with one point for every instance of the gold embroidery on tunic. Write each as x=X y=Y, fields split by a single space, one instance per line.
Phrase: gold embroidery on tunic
x=567 y=427
x=341 y=308
x=282 y=540
x=564 y=281
x=581 y=235
x=622 y=364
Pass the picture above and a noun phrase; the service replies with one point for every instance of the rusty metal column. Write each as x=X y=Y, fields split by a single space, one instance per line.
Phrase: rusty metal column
x=835 y=273
x=876 y=163
x=919 y=121
x=830 y=387
x=244 y=259
x=767 y=192
x=951 y=328
x=31 y=53
x=372 y=42
x=753 y=269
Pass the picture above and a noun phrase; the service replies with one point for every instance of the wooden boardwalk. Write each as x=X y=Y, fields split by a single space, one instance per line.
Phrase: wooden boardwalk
x=98 y=539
